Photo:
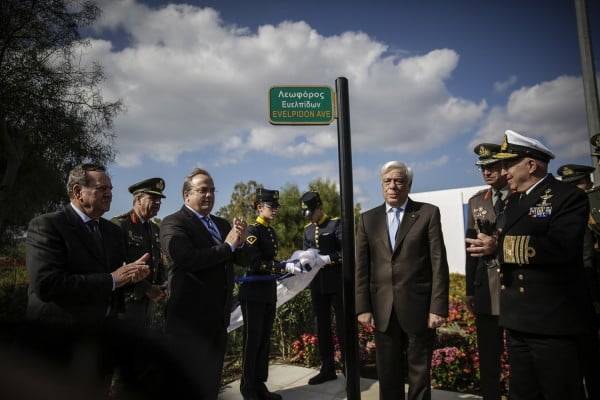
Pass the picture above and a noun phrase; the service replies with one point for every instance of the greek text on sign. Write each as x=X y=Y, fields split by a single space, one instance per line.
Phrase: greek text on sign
x=301 y=105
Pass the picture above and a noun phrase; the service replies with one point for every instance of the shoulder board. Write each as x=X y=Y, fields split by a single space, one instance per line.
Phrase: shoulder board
x=255 y=223
x=122 y=216
x=307 y=225
x=335 y=218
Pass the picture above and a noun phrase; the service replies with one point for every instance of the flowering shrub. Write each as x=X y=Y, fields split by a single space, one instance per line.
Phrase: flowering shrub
x=366 y=344
x=305 y=350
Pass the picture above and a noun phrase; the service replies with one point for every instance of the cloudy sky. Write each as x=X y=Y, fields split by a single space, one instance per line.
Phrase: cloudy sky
x=428 y=80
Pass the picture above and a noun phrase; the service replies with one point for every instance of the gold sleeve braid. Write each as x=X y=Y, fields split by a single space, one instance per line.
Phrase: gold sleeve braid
x=516 y=249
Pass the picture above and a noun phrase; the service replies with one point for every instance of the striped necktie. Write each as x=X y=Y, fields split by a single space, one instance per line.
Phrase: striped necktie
x=214 y=232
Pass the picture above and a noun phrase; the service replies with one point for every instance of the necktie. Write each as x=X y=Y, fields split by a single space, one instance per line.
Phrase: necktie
x=393 y=228
x=497 y=202
x=214 y=232
x=95 y=232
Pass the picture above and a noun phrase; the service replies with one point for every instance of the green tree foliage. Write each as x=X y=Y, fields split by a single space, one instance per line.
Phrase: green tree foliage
x=52 y=114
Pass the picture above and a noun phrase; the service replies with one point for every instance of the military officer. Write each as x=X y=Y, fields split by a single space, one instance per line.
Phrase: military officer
x=325 y=234
x=483 y=273
x=141 y=236
x=544 y=306
x=578 y=175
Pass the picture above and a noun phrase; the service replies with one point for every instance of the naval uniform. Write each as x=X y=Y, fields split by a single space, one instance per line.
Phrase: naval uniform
x=483 y=283
x=141 y=237
x=542 y=296
x=258 y=300
x=326 y=288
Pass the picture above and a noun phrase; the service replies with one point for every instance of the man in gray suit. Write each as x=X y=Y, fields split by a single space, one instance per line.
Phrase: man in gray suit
x=402 y=283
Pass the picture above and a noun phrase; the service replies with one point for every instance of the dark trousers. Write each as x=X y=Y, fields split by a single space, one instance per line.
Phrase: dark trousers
x=395 y=349
x=544 y=367
x=490 y=343
x=200 y=358
x=322 y=303
x=590 y=358
x=256 y=344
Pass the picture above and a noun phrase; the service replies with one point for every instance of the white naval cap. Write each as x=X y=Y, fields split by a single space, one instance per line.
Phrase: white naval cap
x=515 y=145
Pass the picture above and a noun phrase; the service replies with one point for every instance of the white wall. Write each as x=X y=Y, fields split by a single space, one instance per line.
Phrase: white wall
x=451 y=203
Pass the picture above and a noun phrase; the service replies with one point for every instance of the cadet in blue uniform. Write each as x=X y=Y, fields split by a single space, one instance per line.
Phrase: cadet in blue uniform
x=141 y=235
x=544 y=305
x=483 y=273
x=325 y=234
x=258 y=296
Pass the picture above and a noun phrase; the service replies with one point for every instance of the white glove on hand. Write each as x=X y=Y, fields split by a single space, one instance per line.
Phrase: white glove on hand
x=293 y=267
x=322 y=260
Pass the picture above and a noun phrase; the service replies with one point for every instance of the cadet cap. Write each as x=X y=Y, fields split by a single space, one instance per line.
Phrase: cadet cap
x=309 y=202
x=267 y=196
x=153 y=186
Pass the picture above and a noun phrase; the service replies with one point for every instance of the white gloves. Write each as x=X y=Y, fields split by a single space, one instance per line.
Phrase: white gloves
x=294 y=266
x=325 y=259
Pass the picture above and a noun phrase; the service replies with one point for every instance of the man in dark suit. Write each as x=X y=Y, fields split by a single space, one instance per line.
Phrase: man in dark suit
x=402 y=283
x=483 y=273
x=325 y=234
x=76 y=269
x=201 y=249
x=543 y=300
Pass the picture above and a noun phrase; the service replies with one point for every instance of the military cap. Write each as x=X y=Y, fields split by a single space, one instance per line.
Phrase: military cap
x=515 y=145
x=153 y=186
x=574 y=172
x=309 y=202
x=267 y=196
x=485 y=151
x=595 y=141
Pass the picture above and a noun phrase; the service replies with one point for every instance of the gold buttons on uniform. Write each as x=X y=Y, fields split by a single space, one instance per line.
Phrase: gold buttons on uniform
x=522 y=289
x=520 y=277
x=502 y=287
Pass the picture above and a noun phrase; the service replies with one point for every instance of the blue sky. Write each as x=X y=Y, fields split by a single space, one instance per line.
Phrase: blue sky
x=428 y=80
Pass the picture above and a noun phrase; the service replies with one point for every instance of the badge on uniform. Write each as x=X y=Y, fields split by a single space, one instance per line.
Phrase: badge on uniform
x=542 y=209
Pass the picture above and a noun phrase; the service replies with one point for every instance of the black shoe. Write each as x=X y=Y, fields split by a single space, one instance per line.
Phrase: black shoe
x=322 y=376
x=264 y=394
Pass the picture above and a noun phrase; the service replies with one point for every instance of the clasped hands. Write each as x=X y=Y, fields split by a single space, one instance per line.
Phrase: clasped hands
x=132 y=272
x=483 y=245
x=237 y=235
x=306 y=261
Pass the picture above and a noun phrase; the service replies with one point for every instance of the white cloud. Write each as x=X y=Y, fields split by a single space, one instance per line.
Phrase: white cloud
x=190 y=82
x=552 y=111
x=501 y=87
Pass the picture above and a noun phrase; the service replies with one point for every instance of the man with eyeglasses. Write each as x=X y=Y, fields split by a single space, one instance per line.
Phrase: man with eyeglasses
x=402 y=283
x=543 y=300
x=201 y=249
x=483 y=273
x=141 y=235
x=77 y=268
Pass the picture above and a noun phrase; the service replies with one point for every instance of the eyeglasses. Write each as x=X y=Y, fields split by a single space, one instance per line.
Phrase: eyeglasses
x=204 y=191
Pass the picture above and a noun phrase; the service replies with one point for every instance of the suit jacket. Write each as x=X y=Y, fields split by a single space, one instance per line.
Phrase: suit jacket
x=482 y=274
x=540 y=251
x=69 y=278
x=412 y=278
x=200 y=274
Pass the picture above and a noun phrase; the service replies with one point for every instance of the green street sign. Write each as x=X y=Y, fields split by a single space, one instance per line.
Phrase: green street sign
x=301 y=105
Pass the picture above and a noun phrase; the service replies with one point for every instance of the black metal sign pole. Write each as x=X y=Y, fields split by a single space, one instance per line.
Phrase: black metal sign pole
x=347 y=195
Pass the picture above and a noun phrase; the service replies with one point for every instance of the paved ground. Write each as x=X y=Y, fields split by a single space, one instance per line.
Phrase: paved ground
x=291 y=381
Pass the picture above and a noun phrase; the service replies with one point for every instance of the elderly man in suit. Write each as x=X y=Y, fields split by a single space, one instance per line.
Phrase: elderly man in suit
x=402 y=283
x=544 y=304
x=201 y=249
